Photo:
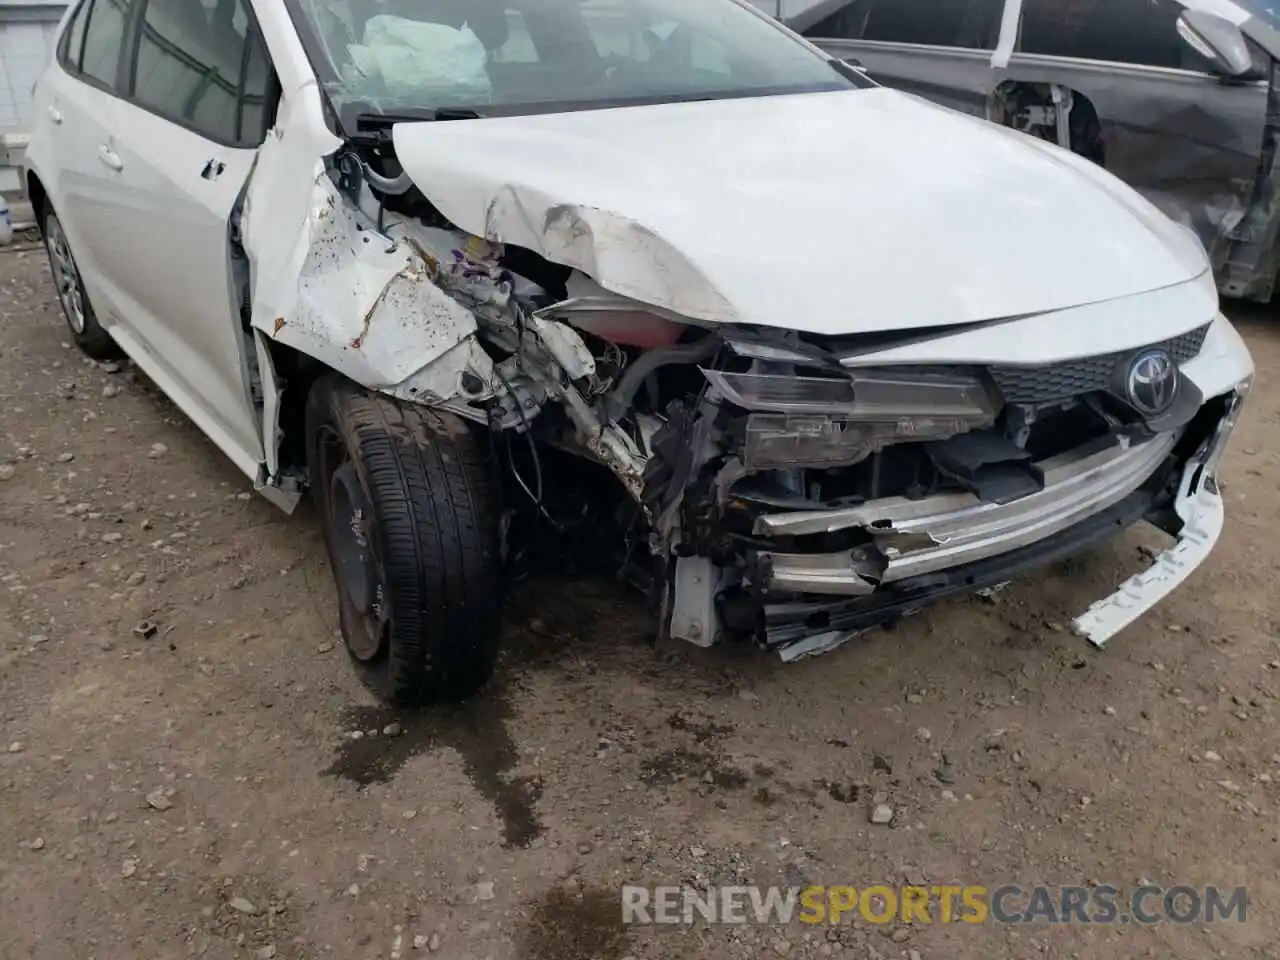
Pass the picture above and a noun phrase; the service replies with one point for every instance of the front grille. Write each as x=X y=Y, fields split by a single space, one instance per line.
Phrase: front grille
x=1071 y=378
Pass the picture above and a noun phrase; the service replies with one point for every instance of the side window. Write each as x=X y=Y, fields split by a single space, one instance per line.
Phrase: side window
x=202 y=64
x=71 y=46
x=1142 y=32
x=972 y=24
x=103 y=39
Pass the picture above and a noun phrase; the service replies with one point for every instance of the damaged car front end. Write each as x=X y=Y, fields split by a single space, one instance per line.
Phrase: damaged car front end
x=796 y=459
x=795 y=353
x=819 y=517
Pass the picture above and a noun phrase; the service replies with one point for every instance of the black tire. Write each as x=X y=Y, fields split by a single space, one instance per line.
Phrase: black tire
x=82 y=322
x=421 y=610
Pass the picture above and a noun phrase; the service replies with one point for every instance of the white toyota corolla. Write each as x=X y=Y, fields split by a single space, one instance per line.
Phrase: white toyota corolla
x=800 y=353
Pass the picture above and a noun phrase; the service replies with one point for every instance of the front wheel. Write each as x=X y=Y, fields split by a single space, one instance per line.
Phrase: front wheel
x=411 y=521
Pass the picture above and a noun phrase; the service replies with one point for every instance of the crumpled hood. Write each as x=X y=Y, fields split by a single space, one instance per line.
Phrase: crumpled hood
x=832 y=213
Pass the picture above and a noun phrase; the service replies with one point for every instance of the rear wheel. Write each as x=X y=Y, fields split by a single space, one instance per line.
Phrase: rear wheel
x=410 y=513
x=85 y=330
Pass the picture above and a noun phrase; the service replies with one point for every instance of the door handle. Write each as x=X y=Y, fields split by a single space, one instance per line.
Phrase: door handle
x=55 y=115
x=109 y=157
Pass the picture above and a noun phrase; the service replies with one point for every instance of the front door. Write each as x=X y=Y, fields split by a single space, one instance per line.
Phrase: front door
x=195 y=110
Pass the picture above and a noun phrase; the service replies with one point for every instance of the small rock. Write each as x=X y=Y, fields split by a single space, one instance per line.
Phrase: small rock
x=914 y=955
x=1229 y=785
x=914 y=698
x=881 y=813
x=392 y=730
x=697 y=852
x=1109 y=711
x=137 y=578
x=433 y=944
x=66 y=457
x=324 y=647
x=15 y=746
x=159 y=799
x=353 y=890
x=241 y=905
x=749 y=696
x=36 y=844
x=112 y=537
x=409 y=814
x=900 y=935
x=6 y=471
x=110 y=390
x=1212 y=756
x=924 y=734
x=420 y=942
x=157 y=450
x=484 y=890
x=111 y=366
x=267 y=952
x=782 y=947
x=128 y=868
x=949 y=795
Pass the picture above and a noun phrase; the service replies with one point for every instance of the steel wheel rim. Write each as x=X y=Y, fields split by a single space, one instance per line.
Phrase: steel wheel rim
x=66 y=276
x=349 y=521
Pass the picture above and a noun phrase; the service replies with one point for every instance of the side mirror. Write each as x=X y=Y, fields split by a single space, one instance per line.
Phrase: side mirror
x=1218 y=40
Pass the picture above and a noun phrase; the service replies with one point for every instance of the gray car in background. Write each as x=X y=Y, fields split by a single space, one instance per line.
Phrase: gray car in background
x=1180 y=98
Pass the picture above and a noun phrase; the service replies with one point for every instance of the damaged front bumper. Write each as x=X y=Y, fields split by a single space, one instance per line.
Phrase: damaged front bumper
x=954 y=545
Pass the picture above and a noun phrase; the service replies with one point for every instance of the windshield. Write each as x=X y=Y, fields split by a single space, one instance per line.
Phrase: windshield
x=513 y=56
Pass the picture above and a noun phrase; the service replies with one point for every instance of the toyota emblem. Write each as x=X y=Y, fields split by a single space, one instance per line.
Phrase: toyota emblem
x=1152 y=383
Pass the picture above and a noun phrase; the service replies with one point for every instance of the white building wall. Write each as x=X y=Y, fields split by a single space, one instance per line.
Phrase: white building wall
x=25 y=48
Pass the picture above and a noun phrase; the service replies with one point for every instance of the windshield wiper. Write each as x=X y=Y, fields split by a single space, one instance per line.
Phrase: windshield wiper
x=376 y=125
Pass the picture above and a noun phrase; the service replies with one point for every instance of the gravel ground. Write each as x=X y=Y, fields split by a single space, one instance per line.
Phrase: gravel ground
x=226 y=788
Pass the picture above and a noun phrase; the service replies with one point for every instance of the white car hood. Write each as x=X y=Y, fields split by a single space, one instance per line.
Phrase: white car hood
x=828 y=213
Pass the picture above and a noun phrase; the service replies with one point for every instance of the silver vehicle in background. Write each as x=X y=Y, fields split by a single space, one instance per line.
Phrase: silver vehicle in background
x=1180 y=98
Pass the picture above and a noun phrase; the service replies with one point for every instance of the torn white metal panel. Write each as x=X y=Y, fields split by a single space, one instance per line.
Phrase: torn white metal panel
x=819 y=185
x=366 y=305
x=328 y=285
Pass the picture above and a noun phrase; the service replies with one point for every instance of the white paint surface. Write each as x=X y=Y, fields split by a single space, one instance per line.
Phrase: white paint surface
x=831 y=213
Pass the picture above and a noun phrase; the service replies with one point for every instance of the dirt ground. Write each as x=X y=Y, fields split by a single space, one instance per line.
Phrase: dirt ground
x=202 y=792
